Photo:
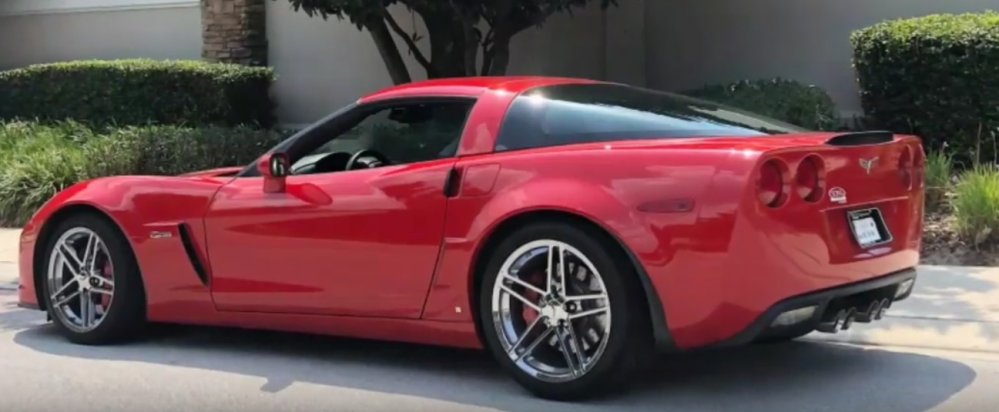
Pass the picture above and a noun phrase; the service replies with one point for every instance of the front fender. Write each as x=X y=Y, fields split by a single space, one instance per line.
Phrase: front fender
x=138 y=206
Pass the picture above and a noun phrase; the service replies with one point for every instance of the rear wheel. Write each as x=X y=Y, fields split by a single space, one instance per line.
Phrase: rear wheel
x=92 y=286
x=561 y=314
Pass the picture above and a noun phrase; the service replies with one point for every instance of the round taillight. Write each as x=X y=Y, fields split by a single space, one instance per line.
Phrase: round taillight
x=810 y=179
x=771 y=184
x=905 y=167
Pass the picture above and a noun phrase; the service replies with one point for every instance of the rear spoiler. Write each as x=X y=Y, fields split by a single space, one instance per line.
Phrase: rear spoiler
x=861 y=138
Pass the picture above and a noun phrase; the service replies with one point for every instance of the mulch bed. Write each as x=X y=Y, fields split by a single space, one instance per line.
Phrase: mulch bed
x=943 y=246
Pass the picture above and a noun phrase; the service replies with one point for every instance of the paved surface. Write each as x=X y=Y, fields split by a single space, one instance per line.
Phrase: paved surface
x=939 y=350
x=8 y=257
x=8 y=244
x=222 y=370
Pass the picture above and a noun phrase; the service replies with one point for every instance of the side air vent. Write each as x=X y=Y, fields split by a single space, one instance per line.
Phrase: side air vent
x=861 y=138
x=192 y=253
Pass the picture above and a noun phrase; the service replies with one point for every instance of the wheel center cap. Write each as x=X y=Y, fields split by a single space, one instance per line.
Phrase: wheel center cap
x=555 y=312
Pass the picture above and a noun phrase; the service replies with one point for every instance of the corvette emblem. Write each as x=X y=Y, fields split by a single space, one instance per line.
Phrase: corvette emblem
x=837 y=195
x=160 y=235
x=868 y=164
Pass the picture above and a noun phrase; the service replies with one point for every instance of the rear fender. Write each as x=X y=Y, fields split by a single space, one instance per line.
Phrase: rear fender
x=467 y=237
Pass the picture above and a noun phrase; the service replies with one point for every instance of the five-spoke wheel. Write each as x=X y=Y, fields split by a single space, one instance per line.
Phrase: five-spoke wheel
x=80 y=271
x=91 y=286
x=550 y=310
x=560 y=310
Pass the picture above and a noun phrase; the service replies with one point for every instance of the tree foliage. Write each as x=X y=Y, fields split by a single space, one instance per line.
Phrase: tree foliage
x=457 y=30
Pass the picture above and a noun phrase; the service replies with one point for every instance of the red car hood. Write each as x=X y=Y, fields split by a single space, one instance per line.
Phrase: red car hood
x=218 y=172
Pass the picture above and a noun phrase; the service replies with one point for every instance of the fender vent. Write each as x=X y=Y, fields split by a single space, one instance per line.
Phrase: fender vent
x=861 y=138
x=192 y=253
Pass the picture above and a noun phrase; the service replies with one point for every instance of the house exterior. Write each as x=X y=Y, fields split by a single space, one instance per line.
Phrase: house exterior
x=323 y=65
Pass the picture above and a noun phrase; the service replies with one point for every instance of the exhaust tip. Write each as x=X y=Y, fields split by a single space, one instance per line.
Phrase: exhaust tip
x=884 y=305
x=868 y=315
x=848 y=318
x=834 y=324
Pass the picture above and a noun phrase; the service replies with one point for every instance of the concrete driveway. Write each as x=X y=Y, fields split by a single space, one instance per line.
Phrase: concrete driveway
x=937 y=350
x=223 y=369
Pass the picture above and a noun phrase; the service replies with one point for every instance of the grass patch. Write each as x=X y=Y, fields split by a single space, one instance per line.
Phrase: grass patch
x=939 y=171
x=976 y=204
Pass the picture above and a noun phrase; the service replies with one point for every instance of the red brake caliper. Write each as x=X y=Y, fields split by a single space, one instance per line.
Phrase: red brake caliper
x=107 y=272
x=529 y=314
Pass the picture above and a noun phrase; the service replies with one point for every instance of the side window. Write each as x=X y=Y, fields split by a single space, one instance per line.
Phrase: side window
x=398 y=134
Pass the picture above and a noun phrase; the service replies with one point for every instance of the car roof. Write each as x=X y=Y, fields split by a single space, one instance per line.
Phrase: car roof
x=469 y=86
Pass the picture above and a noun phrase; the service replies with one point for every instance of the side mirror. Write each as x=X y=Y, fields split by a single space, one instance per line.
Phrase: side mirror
x=274 y=168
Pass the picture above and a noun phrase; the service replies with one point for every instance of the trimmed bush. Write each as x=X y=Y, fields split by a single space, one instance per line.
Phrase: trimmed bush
x=171 y=150
x=935 y=76
x=139 y=92
x=38 y=161
x=976 y=204
x=787 y=100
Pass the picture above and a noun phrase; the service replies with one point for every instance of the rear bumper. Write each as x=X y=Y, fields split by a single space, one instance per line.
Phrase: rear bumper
x=824 y=302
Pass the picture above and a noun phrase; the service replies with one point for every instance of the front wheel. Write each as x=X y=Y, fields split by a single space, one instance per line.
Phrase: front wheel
x=93 y=290
x=562 y=313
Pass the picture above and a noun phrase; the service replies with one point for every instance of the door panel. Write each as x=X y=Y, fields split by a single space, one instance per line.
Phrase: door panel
x=360 y=243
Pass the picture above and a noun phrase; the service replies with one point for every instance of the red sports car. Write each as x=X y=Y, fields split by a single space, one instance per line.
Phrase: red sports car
x=570 y=227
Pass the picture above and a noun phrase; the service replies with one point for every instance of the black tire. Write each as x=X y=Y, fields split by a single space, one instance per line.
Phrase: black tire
x=126 y=315
x=630 y=341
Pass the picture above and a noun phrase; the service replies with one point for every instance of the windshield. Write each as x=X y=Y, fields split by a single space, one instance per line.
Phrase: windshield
x=587 y=113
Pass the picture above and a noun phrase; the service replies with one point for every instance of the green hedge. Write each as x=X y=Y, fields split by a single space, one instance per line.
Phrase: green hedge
x=793 y=102
x=139 y=92
x=935 y=76
x=37 y=161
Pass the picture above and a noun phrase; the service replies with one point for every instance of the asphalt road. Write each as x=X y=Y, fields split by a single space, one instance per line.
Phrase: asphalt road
x=191 y=369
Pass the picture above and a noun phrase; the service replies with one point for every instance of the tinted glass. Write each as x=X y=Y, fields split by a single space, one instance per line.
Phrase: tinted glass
x=406 y=133
x=582 y=113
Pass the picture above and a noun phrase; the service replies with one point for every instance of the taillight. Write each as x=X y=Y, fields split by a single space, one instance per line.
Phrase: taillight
x=770 y=185
x=905 y=167
x=810 y=179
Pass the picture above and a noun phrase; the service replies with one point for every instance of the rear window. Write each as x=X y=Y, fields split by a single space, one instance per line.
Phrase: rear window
x=587 y=113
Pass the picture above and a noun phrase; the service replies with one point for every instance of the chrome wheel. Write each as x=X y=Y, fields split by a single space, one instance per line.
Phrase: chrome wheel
x=551 y=311
x=80 y=279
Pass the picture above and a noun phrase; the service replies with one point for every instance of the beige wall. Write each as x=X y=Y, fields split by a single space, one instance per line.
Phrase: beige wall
x=169 y=33
x=691 y=43
x=324 y=65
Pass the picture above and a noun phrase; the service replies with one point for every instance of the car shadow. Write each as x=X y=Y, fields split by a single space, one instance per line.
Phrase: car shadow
x=791 y=376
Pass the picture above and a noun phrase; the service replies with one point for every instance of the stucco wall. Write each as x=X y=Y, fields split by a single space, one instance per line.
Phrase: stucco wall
x=692 y=43
x=324 y=65
x=167 y=33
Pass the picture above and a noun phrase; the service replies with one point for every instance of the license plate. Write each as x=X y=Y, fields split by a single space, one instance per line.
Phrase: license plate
x=868 y=227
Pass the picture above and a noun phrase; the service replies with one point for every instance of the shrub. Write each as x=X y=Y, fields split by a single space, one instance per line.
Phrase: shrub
x=787 y=100
x=976 y=204
x=138 y=92
x=933 y=76
x=38 y=161
x=171 y=150
x=939 y=171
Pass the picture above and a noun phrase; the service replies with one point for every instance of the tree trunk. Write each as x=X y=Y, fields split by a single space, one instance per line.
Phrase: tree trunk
x=388 y=50
x=471 y=48
x=500 y=58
